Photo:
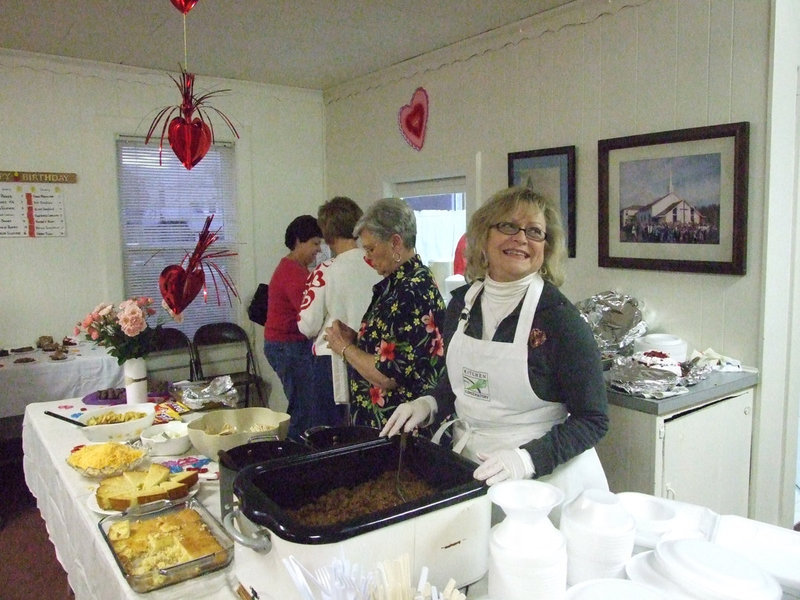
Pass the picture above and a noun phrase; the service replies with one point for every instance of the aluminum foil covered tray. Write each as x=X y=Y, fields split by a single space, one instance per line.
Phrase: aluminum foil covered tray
x=141 y=540
x=632 y=377
x=615 y=320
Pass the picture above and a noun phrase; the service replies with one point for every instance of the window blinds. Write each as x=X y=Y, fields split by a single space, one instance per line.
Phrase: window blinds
x=163 y=208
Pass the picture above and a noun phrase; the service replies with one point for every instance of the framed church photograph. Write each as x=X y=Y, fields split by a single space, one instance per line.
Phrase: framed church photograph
x=675 y=200
x=550 y=172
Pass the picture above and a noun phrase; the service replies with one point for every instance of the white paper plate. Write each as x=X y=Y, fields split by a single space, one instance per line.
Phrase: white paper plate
x=640 y=569
x=775 y=549
x=91 y=501
x=614 y=589
x=714 y=572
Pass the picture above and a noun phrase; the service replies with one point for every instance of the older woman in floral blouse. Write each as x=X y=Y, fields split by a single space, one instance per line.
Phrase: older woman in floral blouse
x=398 y=352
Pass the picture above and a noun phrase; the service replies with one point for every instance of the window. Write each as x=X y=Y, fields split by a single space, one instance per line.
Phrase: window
x=163 y=208
x=439 y=207
x=441 y=216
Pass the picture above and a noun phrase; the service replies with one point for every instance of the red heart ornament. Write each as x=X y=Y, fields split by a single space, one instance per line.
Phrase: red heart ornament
x=413 y=119
x=184 y=5
x=189 y=141
x=179 y=288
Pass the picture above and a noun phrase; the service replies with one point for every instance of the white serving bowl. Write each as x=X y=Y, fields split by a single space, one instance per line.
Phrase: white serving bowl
x=245 y=425
x=118 y=432
x=167 y=439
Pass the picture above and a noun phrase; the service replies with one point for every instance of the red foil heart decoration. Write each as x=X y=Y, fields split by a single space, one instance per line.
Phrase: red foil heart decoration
x=189 y=141
x=413 y=119
x=189 y=136
x=184 y=5
x=179 y=288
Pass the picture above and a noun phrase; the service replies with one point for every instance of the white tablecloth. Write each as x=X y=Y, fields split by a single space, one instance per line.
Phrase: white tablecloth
x=62 y=497
x=86 y=369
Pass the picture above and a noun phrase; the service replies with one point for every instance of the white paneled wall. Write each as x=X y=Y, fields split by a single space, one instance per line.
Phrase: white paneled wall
x=598 y=69
x=594 y=71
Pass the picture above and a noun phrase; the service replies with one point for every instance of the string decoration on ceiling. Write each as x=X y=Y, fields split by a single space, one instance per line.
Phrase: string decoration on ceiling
x=180 y=285
x=413 y=119
x=191 y=132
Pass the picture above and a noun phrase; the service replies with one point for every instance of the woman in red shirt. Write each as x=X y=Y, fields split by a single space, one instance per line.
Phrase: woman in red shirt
x=287 y=350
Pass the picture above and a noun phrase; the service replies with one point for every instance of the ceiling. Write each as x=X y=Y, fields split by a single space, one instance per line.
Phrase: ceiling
x=314 y=44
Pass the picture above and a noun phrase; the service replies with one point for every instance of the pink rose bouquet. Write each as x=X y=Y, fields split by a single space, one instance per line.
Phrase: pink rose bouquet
x=123 y=330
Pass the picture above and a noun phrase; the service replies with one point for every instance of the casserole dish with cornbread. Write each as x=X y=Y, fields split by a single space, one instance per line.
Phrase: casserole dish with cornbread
x=162 y=544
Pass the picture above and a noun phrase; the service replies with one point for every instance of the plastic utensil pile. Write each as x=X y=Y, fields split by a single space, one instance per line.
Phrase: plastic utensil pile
x=343 y=580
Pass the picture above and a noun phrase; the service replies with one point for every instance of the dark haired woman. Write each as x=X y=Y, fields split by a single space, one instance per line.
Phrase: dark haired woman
x=287 y=350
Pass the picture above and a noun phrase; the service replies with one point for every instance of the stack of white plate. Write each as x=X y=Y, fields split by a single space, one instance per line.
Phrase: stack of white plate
x=692 y=569
x=600 y=535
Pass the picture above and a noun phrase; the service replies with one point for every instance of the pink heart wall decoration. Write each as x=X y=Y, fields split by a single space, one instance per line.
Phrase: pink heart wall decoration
x=413 y=119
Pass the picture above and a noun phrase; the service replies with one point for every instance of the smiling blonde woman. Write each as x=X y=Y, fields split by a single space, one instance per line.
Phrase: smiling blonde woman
x=523 y=370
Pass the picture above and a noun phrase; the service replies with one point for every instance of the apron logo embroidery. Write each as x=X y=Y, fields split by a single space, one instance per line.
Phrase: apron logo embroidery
x=476 y=383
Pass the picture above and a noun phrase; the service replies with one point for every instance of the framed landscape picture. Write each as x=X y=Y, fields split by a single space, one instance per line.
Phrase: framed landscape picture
x=675 y=200
x=550 y=172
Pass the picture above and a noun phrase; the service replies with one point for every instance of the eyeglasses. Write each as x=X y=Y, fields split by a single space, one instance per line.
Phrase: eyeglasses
x=534 y=234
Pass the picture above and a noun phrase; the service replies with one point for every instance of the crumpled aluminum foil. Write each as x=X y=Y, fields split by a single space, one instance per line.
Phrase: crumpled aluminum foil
x=634 y=378
x=615 y=320
x=200 y=394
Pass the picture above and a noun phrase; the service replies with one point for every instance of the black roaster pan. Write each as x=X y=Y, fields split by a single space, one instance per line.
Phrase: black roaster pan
x=235 y=459
x=325 y=438
x=266 y=491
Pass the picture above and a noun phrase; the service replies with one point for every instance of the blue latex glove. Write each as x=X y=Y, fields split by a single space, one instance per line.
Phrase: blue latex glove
x=504 y=464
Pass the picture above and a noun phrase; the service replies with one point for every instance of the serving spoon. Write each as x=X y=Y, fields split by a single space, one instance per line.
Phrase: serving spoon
x=63 y=418
x=403 y=442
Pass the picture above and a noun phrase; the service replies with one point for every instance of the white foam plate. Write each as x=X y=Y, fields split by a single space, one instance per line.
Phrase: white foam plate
x=775 y=549
x=714 y=572
x=614 y=589
x=640 y=569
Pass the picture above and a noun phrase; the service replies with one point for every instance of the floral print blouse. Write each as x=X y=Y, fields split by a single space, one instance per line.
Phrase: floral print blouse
x=401 y=328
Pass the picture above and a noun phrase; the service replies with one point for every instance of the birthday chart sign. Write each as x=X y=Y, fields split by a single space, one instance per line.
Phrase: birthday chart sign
x=32 y=211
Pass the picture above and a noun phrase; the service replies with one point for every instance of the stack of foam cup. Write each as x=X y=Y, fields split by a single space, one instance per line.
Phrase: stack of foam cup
x=600 y=535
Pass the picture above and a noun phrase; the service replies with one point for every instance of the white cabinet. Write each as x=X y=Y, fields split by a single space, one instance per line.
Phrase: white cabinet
x=699 y=453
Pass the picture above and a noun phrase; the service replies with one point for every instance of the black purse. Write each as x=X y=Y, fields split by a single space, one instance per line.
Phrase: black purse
x=257 y=311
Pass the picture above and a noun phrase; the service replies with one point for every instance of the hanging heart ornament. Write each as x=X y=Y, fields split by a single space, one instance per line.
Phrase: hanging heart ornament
x=413 y=119
x=190 y=135
x=179 y=288
x=179 y=285
x=189 y=141
x=184 y=5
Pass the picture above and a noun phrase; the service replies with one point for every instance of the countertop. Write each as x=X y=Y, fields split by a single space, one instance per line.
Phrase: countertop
x=717 y=385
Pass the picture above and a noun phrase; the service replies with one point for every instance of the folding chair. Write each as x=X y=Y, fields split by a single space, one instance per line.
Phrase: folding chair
x=231 y=335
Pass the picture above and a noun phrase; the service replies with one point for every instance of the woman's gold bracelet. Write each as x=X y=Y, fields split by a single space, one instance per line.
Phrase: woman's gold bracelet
x=344 y=358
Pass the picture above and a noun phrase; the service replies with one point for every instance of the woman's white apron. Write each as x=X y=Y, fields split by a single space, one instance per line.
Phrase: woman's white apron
x=496 y=406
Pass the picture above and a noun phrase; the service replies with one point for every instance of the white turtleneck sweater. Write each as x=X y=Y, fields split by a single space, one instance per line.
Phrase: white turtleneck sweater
x=499 y=299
